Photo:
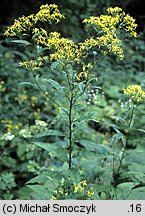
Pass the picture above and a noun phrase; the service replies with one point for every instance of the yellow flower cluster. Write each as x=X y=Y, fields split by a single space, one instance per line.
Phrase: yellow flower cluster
x=104 y=22
x=107 y=27
x=18 y=126
x=114 y=10
x=135 y=92
x=23 y=97
x=59 y=194
x=37 y=113
x=130 y=25
x=41 y=35
x=64 y=49
x=21 y=25
x=90 y=193
x=32 y=64
x=49 y=13
x=8 y=124
x=24 y=24
x=83 y=75
x=113 y=44
x=34 y=101
x=80 y=187
x=53 y=198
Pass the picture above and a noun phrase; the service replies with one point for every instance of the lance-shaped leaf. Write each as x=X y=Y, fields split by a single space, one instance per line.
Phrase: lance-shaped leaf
x=55 y=85
x=21 y=42
x=27 y=83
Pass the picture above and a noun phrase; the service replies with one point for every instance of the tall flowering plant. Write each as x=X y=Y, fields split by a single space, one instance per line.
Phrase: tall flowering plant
x=74 y=61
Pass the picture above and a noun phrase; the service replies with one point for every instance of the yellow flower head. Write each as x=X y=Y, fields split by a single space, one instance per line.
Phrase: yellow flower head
x=47 y=13
x=130 y=25
x=90 y=193
x=135 y=92
x=107 y=37
x=107 y=28
x=21 y=25
x=64 y=49
x=8 y=125
x=80 y=187
x=114 y=10
x=32 y=64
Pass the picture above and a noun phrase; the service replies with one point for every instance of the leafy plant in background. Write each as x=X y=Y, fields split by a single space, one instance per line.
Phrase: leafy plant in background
x=6 y=184
x=71 y=150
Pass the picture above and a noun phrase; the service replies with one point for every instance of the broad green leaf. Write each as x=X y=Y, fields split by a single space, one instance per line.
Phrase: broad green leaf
x=92 y=146
x=40 y=192
x=47 y=146
x=24 y=193
x=38 y=179
x=124 y=189
x=137 y=194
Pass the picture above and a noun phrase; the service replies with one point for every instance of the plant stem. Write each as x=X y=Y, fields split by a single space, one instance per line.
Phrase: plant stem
x=116 y=175
x=127 y=139
x=70 y=132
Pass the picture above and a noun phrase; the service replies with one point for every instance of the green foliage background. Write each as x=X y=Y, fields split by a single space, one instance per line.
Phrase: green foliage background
x=20 y=106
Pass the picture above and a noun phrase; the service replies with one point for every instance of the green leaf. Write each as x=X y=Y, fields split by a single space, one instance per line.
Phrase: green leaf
x=94 y=79
x=49 y=133
x=47 y=146
x=40 y=192
x=141 y=130
x=7 y=181
x=135 y=176
x=81 y=86
x=124 y=189
x=27 y=83
x=87 y=116
x=55 y=66
x=79 y=107
x=55 y=85
x=40 y=179
x=92 y=146
x=117 y=136
x=137 y=194
x=21 y=42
